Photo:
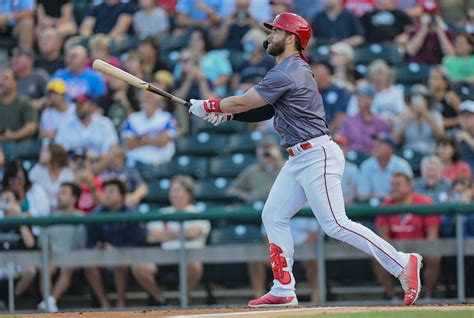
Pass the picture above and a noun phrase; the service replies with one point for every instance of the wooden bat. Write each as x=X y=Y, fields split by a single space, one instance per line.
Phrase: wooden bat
x=119 y=74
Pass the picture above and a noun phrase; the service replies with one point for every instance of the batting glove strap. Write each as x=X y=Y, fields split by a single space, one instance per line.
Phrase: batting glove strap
x=212 y=106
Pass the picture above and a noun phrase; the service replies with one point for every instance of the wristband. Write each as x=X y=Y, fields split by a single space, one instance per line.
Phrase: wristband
x=212 y=106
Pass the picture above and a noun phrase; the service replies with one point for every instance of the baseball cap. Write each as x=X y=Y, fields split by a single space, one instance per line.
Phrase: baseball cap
x=57 y=85
x=342 y=140
x=164 y=77
x=365 y=90
x=420 y=89
x=18 y=51
x=344 y=49
x=384 y=137
x=85 y=98
x=288 y=3
x=467 y=106
x=430 y=6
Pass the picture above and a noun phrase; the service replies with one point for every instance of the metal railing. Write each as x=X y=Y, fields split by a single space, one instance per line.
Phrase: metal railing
x=323 y=250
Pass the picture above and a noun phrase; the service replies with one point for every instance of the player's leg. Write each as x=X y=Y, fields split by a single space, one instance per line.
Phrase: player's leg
x=285 y=199
x=322 y=184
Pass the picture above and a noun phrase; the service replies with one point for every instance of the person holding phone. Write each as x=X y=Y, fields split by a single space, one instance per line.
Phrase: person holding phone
x=421 y=126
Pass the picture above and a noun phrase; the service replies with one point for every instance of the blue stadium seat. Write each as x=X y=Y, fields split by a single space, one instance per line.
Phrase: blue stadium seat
x=230 y=165
x=213 y=190
x=202 y=144
x=411 y=73
x=385 y=51
x=28 y=149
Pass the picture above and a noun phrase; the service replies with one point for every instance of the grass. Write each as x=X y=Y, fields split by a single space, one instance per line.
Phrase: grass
x=398 y=314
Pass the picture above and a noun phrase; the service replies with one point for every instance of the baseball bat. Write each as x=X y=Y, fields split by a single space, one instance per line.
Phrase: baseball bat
x=119 y=74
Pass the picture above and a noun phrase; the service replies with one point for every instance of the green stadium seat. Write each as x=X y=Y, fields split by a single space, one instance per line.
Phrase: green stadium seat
x=385 y=51
x=202 y=144
x=464 y=90
x=413 y=157
x=323 y=52
x=235 y=234
x=184 y=164
x=244 y=143
x=356 y=157
x=24 y=150
x=199 y=125
x=158 y=192
x=81 y=7
x=213 y=190
x=411 y=73
x=230 y=165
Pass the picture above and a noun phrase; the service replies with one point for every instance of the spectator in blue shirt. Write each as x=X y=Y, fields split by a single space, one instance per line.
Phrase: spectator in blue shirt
x=335 y=24
x=377 y=171
x=17 y=20
x=107 y=236
x=80 y=79
x=335 y=97
x=201 y=13
x=465 y=136
x=112 y=17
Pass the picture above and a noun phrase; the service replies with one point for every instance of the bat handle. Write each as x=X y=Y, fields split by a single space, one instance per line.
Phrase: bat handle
x=188 y=104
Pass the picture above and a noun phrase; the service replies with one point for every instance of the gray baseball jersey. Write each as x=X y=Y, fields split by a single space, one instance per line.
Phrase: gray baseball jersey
x=292 y=91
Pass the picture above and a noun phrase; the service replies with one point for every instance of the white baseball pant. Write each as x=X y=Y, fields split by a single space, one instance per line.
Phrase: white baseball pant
x=315 y=175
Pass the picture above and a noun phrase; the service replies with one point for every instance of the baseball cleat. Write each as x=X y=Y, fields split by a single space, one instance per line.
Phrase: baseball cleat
x=410 y=279
x=268 y=300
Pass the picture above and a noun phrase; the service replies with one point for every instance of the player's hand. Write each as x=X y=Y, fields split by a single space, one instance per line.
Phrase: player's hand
x=202 y=107
x=218 y=118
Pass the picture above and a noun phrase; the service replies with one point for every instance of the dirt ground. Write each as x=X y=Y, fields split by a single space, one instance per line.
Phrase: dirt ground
x=241 y=312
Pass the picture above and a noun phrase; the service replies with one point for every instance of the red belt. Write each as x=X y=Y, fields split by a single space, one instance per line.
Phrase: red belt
x=299 y=147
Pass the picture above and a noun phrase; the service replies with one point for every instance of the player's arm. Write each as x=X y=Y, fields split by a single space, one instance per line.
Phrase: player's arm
x=239 y=104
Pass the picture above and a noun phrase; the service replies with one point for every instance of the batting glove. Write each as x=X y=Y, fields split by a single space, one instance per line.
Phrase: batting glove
x=218 y=118
x=201 y=108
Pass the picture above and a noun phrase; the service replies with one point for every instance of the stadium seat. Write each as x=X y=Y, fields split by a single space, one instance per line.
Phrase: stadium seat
x=385 y=51
x=412 y=73
x=464 y=90
x=230 y=165
x=213 y=190
x=322 y=53
x=243 y=143
x=413 y=157
x=24 y=150
x=199 y=125
x=235 y=234
x=81 y=8
x=158 y=192
x=356 y=157
x=202 y=144
x=184 y=164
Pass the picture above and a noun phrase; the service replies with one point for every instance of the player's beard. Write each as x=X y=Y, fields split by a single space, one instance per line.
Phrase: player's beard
x=275 y=48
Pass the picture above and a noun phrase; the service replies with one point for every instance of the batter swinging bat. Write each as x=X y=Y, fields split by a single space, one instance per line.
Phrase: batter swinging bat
x=119 y=74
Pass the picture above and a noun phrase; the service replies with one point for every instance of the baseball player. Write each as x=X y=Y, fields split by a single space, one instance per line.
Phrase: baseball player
x=314 y=170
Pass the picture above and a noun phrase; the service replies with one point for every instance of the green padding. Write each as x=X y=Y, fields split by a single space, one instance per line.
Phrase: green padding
x=357 y=211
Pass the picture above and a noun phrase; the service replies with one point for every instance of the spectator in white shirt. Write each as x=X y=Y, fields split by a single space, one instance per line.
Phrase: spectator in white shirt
x=181 y=196
x=389 y=101
x=148 y=134
x=57 y=110
x=51 y=171
x=87 y=131
x=150 y=20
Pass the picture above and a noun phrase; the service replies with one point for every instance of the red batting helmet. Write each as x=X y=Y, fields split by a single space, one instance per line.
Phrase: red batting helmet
x=295 y=24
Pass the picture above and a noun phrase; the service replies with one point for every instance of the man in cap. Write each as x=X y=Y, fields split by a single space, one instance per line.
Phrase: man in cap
x=31 y=82
x=466 y=136
x=57 y=110
x=314 y=171
x=87 y=131
x=376 y=172
x=360 y=128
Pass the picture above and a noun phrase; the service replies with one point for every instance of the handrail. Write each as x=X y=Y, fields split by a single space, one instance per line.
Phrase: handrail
x=235 y=214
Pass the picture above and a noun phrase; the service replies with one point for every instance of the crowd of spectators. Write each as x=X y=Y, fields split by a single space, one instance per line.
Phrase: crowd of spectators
x=95 y=131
